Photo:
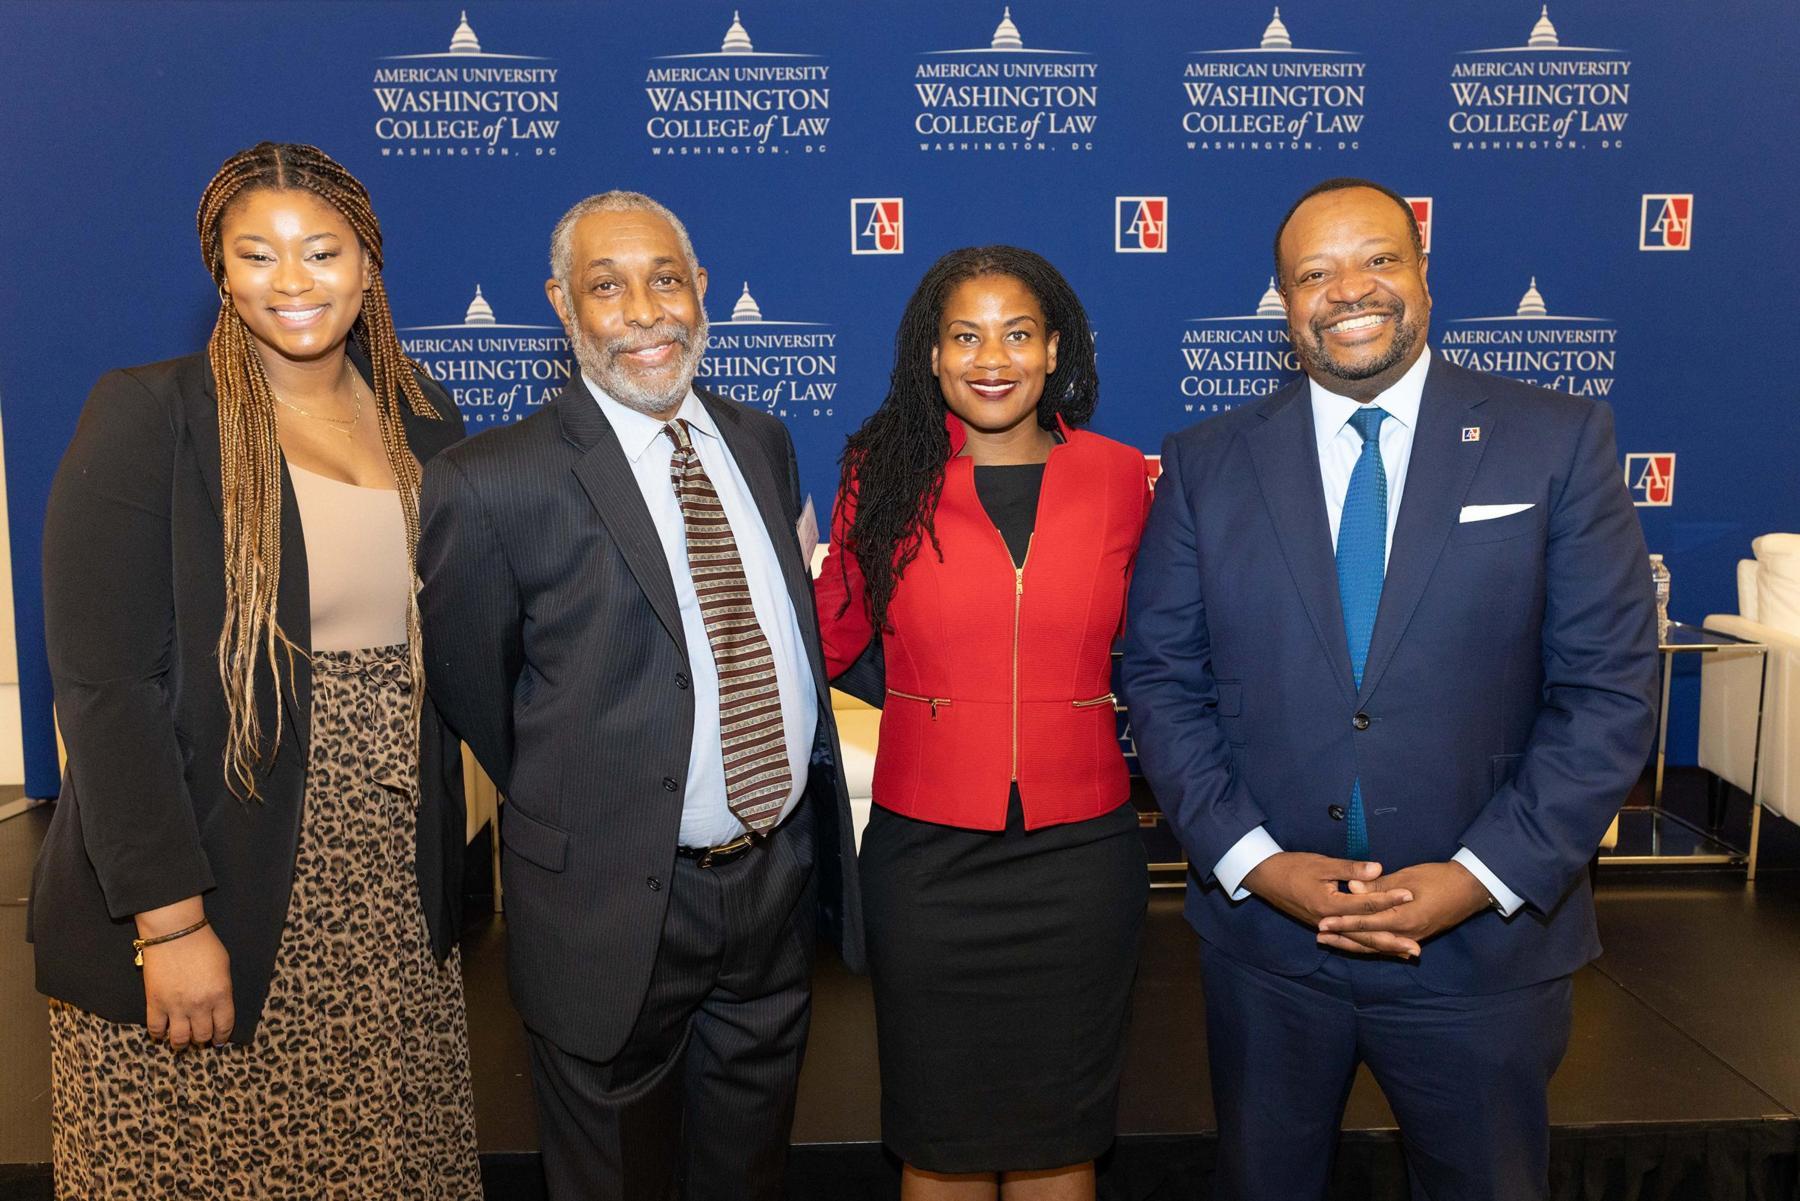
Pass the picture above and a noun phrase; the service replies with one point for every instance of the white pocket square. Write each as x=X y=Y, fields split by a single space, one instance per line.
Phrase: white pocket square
x=1489 y=512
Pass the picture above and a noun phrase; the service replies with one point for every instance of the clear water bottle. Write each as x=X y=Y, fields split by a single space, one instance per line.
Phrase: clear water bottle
x=1659 y=576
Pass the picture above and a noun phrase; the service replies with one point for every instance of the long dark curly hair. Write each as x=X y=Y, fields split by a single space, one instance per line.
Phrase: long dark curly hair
x=894 y=465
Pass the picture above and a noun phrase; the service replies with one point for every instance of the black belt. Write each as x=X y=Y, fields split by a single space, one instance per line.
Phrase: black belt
x=725 y=852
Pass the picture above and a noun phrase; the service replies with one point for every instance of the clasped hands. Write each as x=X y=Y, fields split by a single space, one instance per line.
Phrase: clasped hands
x=1380 y=914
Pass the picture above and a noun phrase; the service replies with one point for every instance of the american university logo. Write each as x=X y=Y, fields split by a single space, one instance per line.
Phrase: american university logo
x=738 y=100
x=495 y=371
x=1141 y=224
x=1007 y=95
x=1666 y=221
x=1543 y=94
x=1275 y=95
x=1236 y=358
x=466 y=102
x=878 y=226
x=788 y=368
x=1421 y=210
x=1651 y=479
x=1578 y=355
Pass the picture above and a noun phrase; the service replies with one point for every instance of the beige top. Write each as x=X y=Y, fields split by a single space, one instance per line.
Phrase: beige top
x=355 y=562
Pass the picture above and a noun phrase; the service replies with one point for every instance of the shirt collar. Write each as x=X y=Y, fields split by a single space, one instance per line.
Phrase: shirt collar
x=1331 y=411
x=637 y=431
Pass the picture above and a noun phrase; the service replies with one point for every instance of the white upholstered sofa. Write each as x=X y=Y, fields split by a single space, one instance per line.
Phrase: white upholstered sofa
x=1768 y=612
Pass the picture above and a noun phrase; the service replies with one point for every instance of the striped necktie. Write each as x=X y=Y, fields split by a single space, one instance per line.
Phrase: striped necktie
x=752 y=738
x=1361 y=566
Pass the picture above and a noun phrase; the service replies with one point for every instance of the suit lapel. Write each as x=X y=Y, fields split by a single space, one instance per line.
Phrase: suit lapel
x=754 y=462
x=293 y=608
x=203 y=428
x=605 y=475
x=426 y=436
x=293 y=593
x=1286 y=457
x=293 y=600
x=1437 y=479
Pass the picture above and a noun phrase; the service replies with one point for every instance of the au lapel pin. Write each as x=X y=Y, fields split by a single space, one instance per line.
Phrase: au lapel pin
x=1471 y=433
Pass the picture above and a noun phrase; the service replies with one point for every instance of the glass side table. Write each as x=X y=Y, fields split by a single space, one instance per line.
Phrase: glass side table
x=1648 y=834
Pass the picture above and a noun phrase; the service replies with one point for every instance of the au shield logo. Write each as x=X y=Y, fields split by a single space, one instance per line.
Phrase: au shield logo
x=1651 y=479
x=1666 y=221
x=878 y=226
x=1141 y=224
x=1421 y=209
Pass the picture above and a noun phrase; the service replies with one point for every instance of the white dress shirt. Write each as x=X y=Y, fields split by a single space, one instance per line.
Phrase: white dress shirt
x=1339 y=448
x=706 y=820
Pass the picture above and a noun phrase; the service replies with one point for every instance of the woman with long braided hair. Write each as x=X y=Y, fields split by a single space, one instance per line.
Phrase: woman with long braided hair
x=985 y=537
x=246 y=905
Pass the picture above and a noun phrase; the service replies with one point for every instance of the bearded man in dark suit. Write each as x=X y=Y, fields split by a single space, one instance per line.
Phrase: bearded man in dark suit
x=1391 y=664
x=619 y=621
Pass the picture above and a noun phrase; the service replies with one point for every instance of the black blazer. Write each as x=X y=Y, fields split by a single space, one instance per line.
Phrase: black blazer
x=134 y=600
x=555 y=650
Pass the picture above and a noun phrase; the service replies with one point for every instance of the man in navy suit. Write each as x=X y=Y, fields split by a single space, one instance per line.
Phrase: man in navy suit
x=1391 y=664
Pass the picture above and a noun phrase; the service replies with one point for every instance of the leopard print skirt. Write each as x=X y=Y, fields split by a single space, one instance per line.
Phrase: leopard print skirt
x=356 y=1084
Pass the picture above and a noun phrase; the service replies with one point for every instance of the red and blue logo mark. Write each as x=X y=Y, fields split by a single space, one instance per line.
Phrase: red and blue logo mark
x=1666 y=221
x=1141 y=224
x=1651 y=479
x=878 y=225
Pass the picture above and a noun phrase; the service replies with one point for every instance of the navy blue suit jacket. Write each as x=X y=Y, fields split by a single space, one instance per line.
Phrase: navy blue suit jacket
x=1510 y=684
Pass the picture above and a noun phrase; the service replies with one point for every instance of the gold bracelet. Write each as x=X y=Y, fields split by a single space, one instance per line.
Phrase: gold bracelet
x=138 y=944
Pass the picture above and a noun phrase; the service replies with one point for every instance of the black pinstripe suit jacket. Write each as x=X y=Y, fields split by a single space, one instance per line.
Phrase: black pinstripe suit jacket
x=554 y=646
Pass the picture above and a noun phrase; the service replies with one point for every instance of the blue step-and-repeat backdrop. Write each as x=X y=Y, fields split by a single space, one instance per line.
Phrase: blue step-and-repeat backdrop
x=1608 y=189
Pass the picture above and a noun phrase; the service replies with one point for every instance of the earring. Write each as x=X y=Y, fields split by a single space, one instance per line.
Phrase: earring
x=224 y=294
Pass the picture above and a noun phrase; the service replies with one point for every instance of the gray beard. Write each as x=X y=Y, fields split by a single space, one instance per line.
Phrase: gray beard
x=599 y=362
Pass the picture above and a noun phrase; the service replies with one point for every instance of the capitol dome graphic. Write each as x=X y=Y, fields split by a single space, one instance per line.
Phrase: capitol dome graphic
x=1531 y=307
x=1270 y=305
x=463 y=44
x=747 y=311
x=737 y=44
x=1544 y=37
x=1275 y=37
x=480 y=312
x=1268 y=308
x=1532 y=303
x=1006 y=34
x=1007 y=40
x=463 y=41
x=1543 y=34
x=746 y=308
x=478 y=316
x=737 y=38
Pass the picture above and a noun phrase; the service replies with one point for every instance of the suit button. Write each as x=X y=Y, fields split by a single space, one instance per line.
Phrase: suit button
x=1335 y=812
x=681 y=679
x=669 y=784
x=1360 y=721
x=654 y=883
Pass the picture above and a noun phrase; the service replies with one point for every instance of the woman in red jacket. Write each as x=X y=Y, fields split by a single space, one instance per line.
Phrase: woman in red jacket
x=988 y=537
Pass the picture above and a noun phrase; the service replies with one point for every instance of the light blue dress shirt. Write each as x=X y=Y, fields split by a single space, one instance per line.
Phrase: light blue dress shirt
x=706 y=820
x=1339 y=448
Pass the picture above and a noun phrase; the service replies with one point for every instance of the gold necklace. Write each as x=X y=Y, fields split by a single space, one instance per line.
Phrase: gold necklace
x=338 y=425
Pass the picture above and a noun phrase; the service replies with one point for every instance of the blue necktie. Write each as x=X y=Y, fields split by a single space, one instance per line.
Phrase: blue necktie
x=1361 y=564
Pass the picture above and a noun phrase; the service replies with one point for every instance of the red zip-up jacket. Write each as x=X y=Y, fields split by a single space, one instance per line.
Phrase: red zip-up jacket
x=997 y=674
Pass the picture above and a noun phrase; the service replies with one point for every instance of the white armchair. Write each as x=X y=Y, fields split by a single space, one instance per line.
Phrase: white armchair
x=1768 y=612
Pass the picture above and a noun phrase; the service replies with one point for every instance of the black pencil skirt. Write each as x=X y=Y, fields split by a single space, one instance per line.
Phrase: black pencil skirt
x=1003 y=966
